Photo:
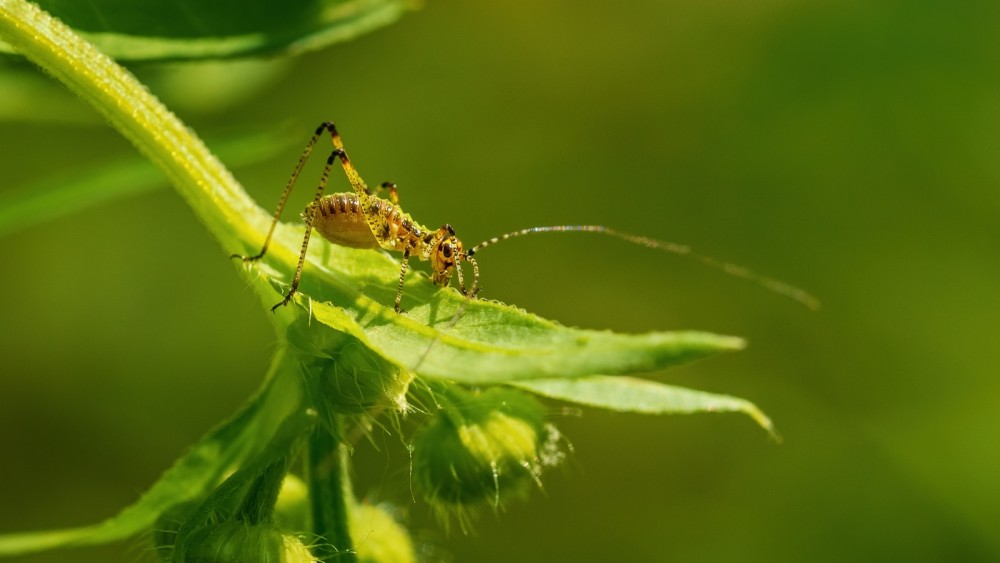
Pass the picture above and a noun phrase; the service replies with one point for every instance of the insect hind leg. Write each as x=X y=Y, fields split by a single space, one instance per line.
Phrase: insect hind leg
x=352 y=174
x=369 y=204
x=288 y=190
x=310 y=215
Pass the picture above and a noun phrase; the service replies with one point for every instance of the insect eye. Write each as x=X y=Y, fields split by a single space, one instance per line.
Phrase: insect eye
x=446 y=250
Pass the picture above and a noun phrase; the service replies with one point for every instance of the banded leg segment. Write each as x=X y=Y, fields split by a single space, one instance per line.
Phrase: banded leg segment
x=313 y=208
x=403 y=266
x=369 y=204
x=310 y=216
x=471 y=293
x=391 y=188
x=353 y=177
x=284 y=195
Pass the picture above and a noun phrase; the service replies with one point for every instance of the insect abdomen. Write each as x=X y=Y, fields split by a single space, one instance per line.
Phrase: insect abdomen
x=341 y=220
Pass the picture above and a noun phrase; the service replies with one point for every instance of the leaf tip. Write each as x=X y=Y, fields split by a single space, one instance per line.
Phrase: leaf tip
x=764 y=422
x=734 y=343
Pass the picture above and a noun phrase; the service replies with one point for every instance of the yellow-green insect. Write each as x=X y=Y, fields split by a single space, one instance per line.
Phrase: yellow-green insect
x=361 y=219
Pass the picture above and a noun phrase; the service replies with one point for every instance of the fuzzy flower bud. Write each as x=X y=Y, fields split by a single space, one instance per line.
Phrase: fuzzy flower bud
x=238 y=542
x=357 y=380
x=378 y=538
x=479 y=448
x=291 y=511
x=351 y=377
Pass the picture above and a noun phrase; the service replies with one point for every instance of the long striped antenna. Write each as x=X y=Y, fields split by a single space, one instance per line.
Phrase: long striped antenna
x=770 y=284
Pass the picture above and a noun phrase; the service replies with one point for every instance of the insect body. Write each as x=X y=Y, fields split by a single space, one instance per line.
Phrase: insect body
x=361 y=219
x=344 y=219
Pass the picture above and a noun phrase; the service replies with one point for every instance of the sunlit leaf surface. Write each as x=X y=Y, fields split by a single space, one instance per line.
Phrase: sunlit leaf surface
x=628 y=394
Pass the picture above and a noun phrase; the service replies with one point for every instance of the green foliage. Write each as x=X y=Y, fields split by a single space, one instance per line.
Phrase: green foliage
x=344 y=351
x=151 y=30
x=628 y=394
x=52 y=197
x=191 y=478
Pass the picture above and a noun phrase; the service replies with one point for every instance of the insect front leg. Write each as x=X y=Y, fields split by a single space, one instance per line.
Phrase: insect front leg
x=471 y=293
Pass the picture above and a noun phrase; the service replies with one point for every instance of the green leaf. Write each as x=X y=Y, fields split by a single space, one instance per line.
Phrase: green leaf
x=143 y=30
x=496 y=343
x=443 y=335
x=628 y=394
x=27 y=96
x=191 y=477
x=56 y=196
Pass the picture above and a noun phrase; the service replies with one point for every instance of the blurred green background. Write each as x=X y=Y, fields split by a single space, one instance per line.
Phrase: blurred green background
x=845 y=147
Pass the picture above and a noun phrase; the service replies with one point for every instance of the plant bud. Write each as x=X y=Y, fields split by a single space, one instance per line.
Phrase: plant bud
x=238 y=542
x=292 y=511
x=476 y=450
x=356 y=380
x=351 y=378
x=165 y=529
x=377 y=537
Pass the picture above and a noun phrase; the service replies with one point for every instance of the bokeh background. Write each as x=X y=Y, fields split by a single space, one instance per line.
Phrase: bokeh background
x=849 y=148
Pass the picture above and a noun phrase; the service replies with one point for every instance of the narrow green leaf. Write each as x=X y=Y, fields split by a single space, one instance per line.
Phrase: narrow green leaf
x=191 y=477
x=443 y=335
x=27 y=96
x=260 y=474
x=628 y=394
x=495 y=343
x=57 y=196
x=143 y=30
x=198 y=176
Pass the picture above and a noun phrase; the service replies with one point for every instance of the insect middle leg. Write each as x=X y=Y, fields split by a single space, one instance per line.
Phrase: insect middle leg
x=404 y=265
x=391 y=188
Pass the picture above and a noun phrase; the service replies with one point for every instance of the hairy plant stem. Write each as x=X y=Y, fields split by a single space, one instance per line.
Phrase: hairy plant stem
x=250 y=493
x=258 y=505
x=114 y=92
x=330 y=495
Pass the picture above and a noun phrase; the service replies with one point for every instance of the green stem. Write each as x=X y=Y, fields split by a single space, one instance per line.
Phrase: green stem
x=329 y=492
x=201 y=179
x=250 y=493
x=258 y=505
